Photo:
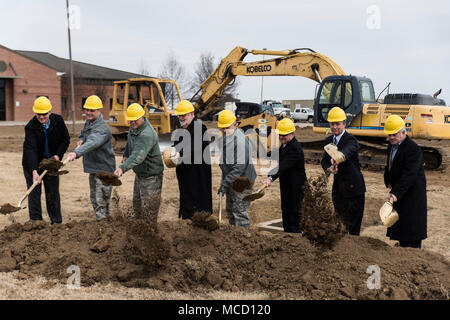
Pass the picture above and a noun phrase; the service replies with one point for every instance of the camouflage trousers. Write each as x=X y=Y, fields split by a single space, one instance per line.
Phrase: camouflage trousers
x=237 y=209
x=100 y=197
x=147 y=198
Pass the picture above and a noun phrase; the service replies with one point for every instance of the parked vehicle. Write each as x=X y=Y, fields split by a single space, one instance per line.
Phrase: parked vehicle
x=279 y=110
x=303 y=114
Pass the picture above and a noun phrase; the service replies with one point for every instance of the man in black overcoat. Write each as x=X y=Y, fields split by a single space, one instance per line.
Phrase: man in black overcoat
x=194 y=168
x=404 y=175
x=46 y=136
x=349 y=189
x=291 y=171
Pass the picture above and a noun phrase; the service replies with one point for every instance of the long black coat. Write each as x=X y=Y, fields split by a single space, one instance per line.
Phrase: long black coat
x=194 y=180
x=291 y=171
x=34 y=144
x=407 y=179
x=348 y=181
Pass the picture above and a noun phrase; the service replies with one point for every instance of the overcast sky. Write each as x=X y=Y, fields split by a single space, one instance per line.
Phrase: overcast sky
x=406 y=43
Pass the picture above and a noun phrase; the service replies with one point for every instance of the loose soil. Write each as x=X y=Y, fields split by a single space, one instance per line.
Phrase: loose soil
x=108 y=178
x=183 y=257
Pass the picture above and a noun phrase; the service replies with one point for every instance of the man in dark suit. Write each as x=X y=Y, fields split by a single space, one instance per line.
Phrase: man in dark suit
x=46 y=136
x=291 y=171
x=404 y=175
x=348 y=186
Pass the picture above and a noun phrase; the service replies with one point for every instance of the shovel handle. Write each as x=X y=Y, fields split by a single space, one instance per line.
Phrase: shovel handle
x=262 y=188
x=220 y=207
x=31 y=188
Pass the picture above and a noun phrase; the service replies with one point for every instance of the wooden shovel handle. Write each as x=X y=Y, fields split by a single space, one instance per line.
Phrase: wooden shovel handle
x=220 y=207
x=31 y=188
x=262 y=188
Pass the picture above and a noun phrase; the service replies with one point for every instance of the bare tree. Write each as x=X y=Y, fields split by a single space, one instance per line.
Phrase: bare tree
x=173 y=69
x=203 y=68
x=144 y=69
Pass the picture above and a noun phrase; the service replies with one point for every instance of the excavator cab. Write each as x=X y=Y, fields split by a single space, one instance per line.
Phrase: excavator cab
x=347 y=92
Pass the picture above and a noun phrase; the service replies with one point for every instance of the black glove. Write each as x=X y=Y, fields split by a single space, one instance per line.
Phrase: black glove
x=222 y=190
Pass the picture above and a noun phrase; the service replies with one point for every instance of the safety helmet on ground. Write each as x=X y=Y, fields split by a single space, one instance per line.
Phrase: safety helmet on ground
x=42 y=105
x=226 y=119
x=93 y=103
x=336 y=114
x=393 y=124
x=184 y=107
x=285 y=127
x=134 y=112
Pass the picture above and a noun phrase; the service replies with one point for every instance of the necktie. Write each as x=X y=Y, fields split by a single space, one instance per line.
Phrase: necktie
x=47 y=152
x=393 y=152
x=335 y=140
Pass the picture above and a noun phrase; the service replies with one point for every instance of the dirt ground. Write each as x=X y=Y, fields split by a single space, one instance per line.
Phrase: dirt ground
x=119 y=259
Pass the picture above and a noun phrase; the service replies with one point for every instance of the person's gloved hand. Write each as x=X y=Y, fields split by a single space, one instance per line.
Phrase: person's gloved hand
x=222 y=190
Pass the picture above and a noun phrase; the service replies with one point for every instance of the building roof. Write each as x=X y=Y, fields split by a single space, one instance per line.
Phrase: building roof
x=80 y=69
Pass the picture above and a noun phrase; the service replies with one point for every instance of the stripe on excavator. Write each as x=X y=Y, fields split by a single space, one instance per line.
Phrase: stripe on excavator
x=373 y=128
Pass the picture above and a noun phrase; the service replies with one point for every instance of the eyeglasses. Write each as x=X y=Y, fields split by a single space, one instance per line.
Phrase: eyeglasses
x=42 y=114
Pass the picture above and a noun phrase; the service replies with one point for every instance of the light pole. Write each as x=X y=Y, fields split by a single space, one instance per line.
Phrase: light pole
x=71 y=71
x=262 y=81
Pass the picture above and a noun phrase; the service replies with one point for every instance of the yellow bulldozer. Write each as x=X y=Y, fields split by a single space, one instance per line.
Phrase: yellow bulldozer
x=427 y=118
x=151 y=93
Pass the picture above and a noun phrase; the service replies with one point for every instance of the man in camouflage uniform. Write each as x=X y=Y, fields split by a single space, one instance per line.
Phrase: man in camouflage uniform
x=142 y=154
x=95 y=146
x=236 y=161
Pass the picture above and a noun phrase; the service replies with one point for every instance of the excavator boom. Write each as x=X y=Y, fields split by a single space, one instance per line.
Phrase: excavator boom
x=309 y=64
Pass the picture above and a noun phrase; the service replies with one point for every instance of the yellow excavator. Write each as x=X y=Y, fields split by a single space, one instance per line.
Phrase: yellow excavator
x=150 y=94
x=427 y=118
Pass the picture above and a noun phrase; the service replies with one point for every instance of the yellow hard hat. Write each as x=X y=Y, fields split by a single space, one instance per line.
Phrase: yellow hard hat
x=285 y=126
x=336 y=114
x=93 y=103
x=134 y=112
x=226 y=119
x=42 y=105
x=393 y=124
x=184 y=107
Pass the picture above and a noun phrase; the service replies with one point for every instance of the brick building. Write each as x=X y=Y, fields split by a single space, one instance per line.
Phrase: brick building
x=25 y=75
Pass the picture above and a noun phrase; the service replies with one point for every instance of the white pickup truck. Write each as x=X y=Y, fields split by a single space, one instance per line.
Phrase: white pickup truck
x=303 y=114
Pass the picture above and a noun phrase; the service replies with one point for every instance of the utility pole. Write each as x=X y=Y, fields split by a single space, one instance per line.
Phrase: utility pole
x=71 y=71
x=262 y=81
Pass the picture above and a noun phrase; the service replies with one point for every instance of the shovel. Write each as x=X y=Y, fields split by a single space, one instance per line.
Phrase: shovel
x=9 y=208
x=254 y=196
x=36 y=183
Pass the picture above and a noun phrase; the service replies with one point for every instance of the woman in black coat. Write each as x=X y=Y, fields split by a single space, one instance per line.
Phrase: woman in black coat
x=194 y=172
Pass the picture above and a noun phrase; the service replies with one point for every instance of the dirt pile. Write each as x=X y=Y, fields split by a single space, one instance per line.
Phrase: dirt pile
x=319 y=222
x=205 y=220
x=182 y=257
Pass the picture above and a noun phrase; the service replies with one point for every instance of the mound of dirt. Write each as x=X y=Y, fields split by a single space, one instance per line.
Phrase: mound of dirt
x=182 y=257
x=319 y=222
x=205 y=220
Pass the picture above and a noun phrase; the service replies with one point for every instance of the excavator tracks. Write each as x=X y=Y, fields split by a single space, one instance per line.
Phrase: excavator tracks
x=372 y=156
